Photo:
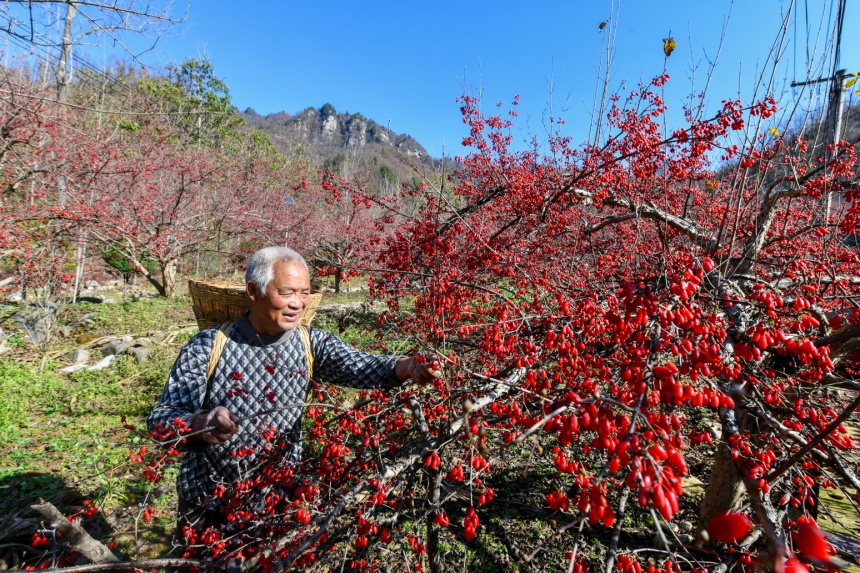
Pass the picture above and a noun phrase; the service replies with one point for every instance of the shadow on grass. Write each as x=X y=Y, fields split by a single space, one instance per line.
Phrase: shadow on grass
x=19 y=522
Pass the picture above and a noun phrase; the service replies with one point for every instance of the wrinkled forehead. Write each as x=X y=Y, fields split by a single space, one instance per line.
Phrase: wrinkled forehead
x=290 y=276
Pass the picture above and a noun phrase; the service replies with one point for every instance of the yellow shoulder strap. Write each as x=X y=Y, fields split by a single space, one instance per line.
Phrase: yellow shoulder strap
x=218 y=347
x=309 y=355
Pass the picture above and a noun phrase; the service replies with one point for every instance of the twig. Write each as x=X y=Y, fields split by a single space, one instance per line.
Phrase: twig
x=790 y=462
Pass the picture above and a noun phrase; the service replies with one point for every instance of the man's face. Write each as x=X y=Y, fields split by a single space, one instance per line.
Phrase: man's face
x=285 y=300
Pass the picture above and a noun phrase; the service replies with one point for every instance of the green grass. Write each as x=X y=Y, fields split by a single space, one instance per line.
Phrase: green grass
x=145 y=315
x=26 y=393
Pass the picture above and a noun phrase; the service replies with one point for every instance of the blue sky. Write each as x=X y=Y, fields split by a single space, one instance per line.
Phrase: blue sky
x=405 y=62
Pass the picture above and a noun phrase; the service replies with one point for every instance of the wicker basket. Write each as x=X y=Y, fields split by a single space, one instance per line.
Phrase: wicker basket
x=217 y=302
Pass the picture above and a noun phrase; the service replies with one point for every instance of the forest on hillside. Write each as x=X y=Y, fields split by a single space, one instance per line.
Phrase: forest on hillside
x=650 y=340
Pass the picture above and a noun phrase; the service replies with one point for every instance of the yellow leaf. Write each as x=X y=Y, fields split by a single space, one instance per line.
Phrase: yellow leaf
x=668 y=46
x=774 y=131
x=850 y=83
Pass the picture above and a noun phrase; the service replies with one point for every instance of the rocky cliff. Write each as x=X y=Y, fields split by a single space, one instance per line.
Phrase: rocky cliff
x=336 y=139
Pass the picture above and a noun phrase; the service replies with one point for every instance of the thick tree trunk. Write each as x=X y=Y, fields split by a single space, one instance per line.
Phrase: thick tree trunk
x=725 y=490
x=168 y=278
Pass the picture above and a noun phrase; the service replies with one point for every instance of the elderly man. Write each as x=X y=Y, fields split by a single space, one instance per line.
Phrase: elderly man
x=263 y=365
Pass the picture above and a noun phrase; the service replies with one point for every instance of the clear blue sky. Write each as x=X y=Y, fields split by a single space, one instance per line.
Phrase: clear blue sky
x=407 y=61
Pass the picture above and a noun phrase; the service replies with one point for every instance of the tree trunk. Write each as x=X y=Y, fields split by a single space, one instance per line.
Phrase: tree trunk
x=337 y=281
x=80 y=256
x=434 y=553
x=64 y=72
x=168 y=278
x=725 y=490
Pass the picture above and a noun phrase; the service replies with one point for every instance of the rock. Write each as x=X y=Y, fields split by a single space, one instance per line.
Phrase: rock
x=35 y=321
x=108 y=300
x=144 y=342
x=114 y=348
x=141 y=354
x=685 y=526
x=103 y=363
x=157 y=337
x=74 y=367
x=86 y=337
x=81 y=355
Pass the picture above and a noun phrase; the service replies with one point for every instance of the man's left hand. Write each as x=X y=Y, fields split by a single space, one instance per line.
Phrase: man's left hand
x=422 y=368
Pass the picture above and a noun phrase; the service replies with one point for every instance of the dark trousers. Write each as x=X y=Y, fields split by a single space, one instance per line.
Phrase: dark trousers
x=198 y=517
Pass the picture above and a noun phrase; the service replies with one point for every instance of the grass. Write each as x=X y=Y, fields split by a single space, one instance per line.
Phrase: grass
x=62 y=435
x=144 y=315
x=69 y=425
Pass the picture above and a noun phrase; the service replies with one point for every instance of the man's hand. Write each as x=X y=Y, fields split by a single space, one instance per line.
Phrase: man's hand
x=223 y=421
x=422 y=368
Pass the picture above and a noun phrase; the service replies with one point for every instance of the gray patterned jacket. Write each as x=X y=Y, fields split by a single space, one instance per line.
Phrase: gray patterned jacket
x=255 y=373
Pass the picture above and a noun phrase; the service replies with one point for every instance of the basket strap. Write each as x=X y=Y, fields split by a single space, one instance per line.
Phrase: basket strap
x=221 y=338
x=309 y=355
x=306 y=342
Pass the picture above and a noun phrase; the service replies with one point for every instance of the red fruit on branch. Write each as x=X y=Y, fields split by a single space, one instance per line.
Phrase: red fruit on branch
x=809 y=540
x=792 y=565
x=441 y=519
x=729 y=527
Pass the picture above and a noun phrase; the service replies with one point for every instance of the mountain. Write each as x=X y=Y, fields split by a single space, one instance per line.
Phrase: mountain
x=346 y=143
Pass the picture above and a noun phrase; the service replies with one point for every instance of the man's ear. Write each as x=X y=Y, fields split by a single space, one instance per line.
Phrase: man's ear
x=252 y=291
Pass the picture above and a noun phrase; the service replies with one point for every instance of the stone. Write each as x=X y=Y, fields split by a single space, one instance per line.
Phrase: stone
x=35 y=321
x=143 y=341
x=74 y=367
x=80 y=355
x=83 y=320
x=685 y=526
x=114 y=348
x=103 y=363
x=141 y=354
x=157 y=337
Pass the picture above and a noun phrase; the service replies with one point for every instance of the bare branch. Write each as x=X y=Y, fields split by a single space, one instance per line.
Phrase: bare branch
x=75 y=535
x=691 y=230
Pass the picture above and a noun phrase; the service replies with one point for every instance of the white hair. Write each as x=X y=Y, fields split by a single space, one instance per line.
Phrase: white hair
x=260 y=270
